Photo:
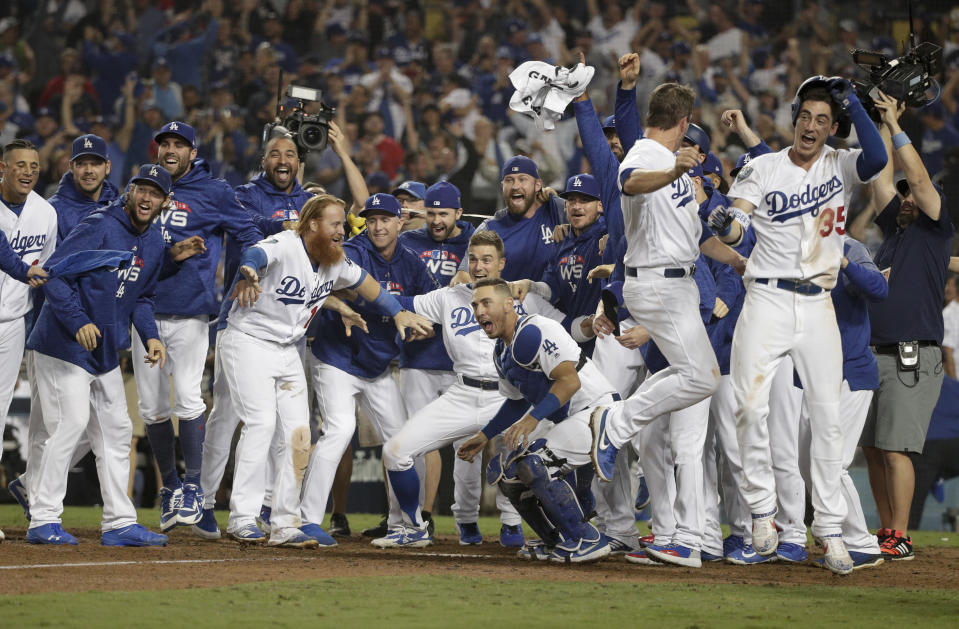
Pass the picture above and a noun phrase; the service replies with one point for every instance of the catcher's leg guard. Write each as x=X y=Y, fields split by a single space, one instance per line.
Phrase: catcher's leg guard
x=529 y=508
x=582 y=479
x=556 y=496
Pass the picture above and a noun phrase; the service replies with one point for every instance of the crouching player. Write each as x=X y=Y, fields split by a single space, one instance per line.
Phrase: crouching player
x=546 y=474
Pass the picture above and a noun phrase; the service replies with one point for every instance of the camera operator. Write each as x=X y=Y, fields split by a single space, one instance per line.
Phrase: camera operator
x=907 y=328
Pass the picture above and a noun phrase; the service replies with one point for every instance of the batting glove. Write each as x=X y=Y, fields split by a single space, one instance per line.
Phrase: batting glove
x=720 y=220
x=843 y=92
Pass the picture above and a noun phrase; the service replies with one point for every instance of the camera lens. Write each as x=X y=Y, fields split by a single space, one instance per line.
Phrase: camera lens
x=313 y=136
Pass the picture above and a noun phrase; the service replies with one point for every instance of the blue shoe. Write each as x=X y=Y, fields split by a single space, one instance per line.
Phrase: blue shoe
x=582 y=550
x=191 y=505
x=865 y=560
x=248 y=534
x=938 y=490
x=534 y=550
x=133 y=535
x=263 y=520
x=707 y=557
x=619 y=546
x=747 y=556
x=292 y=537
x=52 y=534
x=19 y=493
x=511 y=536
x=170 y=500
x=469 y=534
x=207 y=527
x=733 y=543
x=642 y=495
x=404 y=537
x=793 y=553
x=316 y=532
x=675 y=554
x=602 y=452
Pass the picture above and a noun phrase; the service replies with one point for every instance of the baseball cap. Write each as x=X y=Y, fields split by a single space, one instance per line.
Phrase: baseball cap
x=89 y=145
x=696 y=171
x=520 y=164
x=740 y=162
x=382 y=202
x=155 y=174
x=412 y=188
x=161 y=62
x=712 y=165
x=177 y=128
x=44 y=111
x=609 y=122
x=696 y=135
x=581 y=184
x=378 y=179
x=443 y=194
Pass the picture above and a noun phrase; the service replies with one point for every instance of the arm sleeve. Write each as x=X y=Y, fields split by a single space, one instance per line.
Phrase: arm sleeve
x=10 y=262
x=350 y=274
x=254 y=257
x=863 y=274
x=240 y=222
x=628 y=127
x=760 y=149
x=872 y=158
x=748 y=185
x=508 y=414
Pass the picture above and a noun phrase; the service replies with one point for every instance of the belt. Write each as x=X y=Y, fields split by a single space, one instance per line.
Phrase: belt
x=803 y=288
x=485 y=385
x=671 y=272
x=893 y=348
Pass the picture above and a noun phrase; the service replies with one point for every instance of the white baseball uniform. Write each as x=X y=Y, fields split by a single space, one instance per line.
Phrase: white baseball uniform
x=799 y=220
x=785 y=404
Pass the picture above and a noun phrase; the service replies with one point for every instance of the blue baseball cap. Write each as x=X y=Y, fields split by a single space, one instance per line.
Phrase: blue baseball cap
x=696 y=135
x=609 y=122
x=89 y=145
x=412 y=188
x=155 y=174
x=44 y=111
x=179 y=129
x=520 y=165
x=741 y=161
x=444 y=195
x=382 y=202
x=695 y=171
x=581 y=184
x=712 y=165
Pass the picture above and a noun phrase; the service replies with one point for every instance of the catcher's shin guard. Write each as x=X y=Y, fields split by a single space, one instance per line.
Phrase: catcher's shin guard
x=556 y=496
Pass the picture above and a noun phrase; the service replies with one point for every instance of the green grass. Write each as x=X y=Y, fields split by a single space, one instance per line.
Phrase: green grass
x=417 y=601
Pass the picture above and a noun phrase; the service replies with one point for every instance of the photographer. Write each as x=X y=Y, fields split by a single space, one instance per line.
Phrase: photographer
x=907 y=328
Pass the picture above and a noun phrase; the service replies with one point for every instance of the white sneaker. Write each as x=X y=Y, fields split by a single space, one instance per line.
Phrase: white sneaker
x=765 y=535
x=405 y=537
x=837 y=557
x=291 y=537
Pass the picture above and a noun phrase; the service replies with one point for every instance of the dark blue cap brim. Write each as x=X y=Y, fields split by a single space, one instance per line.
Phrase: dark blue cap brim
x=84 y=153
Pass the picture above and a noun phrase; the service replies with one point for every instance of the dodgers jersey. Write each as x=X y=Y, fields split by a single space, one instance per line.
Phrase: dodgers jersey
x=527 y=376
x=800 y=215
x=662 y=227
x=466 y=343
x=293 y=290
x=32 y=236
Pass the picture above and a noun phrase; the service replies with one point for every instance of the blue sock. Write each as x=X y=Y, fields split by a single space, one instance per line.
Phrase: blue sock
x=406 y=486
x=191 y=443
x=163 y=444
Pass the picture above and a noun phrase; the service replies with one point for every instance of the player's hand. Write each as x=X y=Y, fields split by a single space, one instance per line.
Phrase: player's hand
x=36 y=276
x=890 y=110
x=337 y=140
x=156 y=353
x=472 y=446
x=520 y=289
x=633 y=338
x=629 y=70
x=544 y=194
x=845 y=262
x=720 y=220
x=602 y=326
x=518 y=434
x=461 y=277
x=561 y=232
x=87 y=336
x=734 y=119
x=187 y=248
x=352 y=318
x=600 y=272
x=739 y=265
x=603 y=241
x=720 y=309
x=245 y=293
x=686 y=158
x=418 y=325
x=842 y=92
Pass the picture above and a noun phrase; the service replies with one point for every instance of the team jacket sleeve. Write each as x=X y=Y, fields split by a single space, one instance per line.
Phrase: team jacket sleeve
x=628 y=127
x=863 y=274
x=10 y=262
x=240 y=222
x=144 y=317
x=601 y=159
x=62 y=293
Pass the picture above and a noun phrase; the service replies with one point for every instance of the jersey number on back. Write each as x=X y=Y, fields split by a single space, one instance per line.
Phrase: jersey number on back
x=833 y=219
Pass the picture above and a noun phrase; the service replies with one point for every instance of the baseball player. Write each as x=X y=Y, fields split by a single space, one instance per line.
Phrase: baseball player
x=540 y=364
x=298 y=271
x=463 y=408
x=206 y=207
x=346 y=370
x=801 y=194
x=81 y=327
x=412 y=197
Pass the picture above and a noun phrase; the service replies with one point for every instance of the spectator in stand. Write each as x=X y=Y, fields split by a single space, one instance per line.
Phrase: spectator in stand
x=410 y=45
x=110 y=54
x=387 y=88
x=186 y=41
x=12 y=46
x=166 y=94
x=938 y=135
x=389 y=151
x=728 y=41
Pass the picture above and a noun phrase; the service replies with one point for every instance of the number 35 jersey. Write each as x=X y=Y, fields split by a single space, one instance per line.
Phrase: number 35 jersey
x=800 y=215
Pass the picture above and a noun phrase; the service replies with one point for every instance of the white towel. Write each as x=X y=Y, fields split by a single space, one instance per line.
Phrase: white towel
x=544 y=91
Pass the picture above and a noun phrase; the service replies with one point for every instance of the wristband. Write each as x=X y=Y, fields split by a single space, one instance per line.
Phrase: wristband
x=900 y=140
x=386 y=303
x=546 y=407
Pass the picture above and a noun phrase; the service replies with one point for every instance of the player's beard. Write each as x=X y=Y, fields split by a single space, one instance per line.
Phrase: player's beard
x=328 y=254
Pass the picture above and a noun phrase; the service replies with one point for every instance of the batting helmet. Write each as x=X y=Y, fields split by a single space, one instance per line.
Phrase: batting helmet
x=696 y=135
x=825 y=82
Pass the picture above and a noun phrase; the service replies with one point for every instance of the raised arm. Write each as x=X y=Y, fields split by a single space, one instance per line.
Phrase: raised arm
x=354 y=178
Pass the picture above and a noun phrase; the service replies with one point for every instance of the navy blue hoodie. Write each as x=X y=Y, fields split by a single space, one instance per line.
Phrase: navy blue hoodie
x=73 y=206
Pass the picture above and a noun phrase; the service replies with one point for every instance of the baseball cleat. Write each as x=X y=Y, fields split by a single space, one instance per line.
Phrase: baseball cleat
x=133 y=535
x=733 y=543
x=747 y=556
x=534 y=550
x=602 y=452
x=248 y=534
x=836 y=557
x=339 y=525
x=708 y=557
x=316 y=531
x=263 y=520
x=170 y=500
x=511 y=536
x=52 y=534
x=582 y=550
x=207 y=527
x=675 y=554
x=642 y=495
x=792 y=553
x=292 y=537
x=469 y=534
x=404 y=537
x=430 y=524
x=619 y=546
x=380 y=530
x=19 y=493
x=865 y=560
x=765 y=535
x=191 y=505
x=640 y=557
x=897 y=546
x=646 y=540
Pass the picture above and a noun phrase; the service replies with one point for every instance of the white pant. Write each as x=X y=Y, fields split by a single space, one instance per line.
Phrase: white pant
x=712 y=519
x=66 y=393
x=12 y=338
x=268 y=391
x=669 y=310
x=337 y=394
x=774 y=323
x=853 y=407
x=570 y=439
x=785 y=404
x=722 y=411
x=187 y=342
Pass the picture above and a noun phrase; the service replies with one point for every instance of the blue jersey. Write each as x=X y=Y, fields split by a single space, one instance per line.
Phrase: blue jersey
x=442 y=260
x=361 y=354
x=73 y=206
x=263 y=199
x=528 y=241
x=109 y=299
x=859 y=284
